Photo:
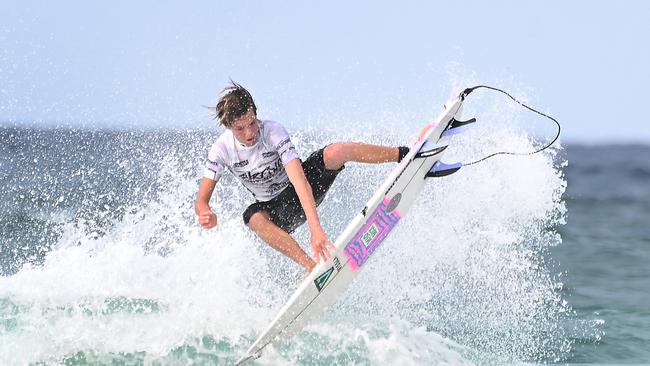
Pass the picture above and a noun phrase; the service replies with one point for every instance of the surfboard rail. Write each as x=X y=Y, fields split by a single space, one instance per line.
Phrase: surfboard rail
x=367 y=230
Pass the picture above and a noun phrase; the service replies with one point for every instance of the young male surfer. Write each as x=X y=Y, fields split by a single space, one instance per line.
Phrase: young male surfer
x=287 y=191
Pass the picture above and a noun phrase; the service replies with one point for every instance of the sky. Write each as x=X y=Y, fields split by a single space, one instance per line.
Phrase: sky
x=153 y=64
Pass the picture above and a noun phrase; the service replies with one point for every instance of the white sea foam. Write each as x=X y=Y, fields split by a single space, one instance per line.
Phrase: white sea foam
x=467 y=262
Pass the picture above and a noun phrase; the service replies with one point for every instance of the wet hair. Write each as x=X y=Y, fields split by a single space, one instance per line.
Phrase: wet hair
x=234 y=103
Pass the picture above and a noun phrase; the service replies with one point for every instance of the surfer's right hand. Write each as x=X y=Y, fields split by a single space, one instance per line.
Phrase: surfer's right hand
x=208 y=219
x=321 y=245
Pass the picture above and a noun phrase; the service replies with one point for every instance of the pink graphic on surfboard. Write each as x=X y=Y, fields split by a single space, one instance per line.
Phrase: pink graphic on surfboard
x=363 y=244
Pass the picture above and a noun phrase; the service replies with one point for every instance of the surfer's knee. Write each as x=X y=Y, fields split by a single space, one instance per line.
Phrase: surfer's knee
x=337 y=154
x=257 y=220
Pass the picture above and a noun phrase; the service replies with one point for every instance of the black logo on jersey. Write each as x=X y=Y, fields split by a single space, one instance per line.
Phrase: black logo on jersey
x=264 y=175
x=321 y=280
x=240 y=164
x=282 y=143
x=275 y=187
x=287 y=150
x=269 y=154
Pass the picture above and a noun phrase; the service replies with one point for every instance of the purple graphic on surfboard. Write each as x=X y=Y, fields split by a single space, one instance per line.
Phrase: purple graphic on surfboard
x=368 y=238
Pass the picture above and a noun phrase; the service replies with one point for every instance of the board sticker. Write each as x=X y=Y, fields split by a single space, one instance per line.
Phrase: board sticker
x=337 y=264
x=368 y=238
x=321 y=280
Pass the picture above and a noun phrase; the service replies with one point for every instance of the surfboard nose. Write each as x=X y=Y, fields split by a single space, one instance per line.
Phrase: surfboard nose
x=247 y=358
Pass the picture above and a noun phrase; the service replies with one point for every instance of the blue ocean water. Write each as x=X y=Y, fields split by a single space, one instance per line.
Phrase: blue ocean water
x=519 y=260
x=606 y=250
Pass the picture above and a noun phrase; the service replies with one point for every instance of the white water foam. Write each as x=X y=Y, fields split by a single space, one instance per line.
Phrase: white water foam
x=149 y=283
x=466 y=262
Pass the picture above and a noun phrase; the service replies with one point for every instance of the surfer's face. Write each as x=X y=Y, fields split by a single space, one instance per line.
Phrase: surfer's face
x=246 y=129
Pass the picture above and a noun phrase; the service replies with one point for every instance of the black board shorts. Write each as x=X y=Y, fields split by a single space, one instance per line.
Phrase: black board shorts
x=285 y=209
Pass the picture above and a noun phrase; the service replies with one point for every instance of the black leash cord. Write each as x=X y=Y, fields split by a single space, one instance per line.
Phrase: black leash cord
x=469 y=90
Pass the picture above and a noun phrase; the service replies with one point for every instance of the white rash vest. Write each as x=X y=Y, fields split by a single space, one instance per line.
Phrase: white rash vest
x=259 y=167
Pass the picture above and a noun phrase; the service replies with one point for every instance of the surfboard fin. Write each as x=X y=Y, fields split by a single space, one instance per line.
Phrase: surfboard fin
x=429 y=149
x=456 y=127
x=440 y=169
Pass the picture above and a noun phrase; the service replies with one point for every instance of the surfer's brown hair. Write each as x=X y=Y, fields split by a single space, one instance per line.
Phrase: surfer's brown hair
x=235 y=102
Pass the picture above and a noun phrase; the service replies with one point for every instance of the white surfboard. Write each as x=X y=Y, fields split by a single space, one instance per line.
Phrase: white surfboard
x=367 y=230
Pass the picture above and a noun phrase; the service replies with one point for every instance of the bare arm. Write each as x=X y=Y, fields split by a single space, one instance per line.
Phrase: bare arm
x=206 y=217
x=319 y=241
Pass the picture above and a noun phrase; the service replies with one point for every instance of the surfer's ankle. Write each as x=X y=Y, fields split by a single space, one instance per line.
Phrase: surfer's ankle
x=403 y=151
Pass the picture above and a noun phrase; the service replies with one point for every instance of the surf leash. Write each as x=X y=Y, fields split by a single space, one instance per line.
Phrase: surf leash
x=467 y=91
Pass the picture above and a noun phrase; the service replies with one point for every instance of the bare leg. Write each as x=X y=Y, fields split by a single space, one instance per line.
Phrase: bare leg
x=337 y=154
x=279 y=239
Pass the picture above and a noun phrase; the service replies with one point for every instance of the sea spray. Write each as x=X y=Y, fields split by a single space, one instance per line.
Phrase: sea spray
x=129 y=275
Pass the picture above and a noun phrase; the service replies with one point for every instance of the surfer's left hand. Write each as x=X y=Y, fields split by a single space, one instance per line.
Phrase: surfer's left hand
x=321 y=245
